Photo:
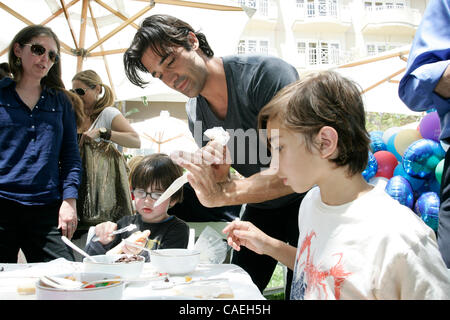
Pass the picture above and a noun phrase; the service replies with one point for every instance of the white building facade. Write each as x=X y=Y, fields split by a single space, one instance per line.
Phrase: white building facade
x=312 y=34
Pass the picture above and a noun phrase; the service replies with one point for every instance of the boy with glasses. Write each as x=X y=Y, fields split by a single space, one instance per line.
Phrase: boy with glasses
x=149 y=179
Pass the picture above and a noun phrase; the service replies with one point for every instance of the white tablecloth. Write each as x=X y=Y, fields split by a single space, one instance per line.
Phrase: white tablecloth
x=234 y=279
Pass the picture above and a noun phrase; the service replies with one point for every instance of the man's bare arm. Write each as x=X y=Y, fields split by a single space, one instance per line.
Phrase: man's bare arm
x=256 y=188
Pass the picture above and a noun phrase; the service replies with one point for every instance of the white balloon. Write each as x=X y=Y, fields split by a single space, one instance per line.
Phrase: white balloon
x=389 y=133
x=444 y=146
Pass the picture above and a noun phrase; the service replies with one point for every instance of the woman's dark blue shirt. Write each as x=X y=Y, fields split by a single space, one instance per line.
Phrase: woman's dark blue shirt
x=39 y=157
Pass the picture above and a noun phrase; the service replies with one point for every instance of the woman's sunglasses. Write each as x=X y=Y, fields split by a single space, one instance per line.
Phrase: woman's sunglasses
x=38 y=50
x=80 y=91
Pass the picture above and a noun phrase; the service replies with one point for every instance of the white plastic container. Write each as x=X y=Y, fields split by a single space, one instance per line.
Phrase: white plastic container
x=105 y=264
x=175 y=261
x=111 y=292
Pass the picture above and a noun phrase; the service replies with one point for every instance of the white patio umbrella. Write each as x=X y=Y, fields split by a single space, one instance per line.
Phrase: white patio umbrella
x=378 y=77
x=95 y=33
x=164 y=134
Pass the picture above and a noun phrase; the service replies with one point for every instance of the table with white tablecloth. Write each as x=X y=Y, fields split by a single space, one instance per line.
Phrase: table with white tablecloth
x=232 y=280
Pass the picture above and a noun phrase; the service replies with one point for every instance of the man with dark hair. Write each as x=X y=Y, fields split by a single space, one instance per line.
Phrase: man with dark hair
x=225 y=92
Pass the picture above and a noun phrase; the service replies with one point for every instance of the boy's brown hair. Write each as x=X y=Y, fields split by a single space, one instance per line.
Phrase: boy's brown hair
x=323 y=99
x=157 y=171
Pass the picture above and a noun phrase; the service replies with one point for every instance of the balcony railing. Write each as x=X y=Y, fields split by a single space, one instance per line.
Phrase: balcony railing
x=264 y=9
x=327 y=10
x=319 y=57
x=406 y=17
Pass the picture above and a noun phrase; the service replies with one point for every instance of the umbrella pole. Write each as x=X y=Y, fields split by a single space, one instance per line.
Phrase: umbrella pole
x=66 y=14
x=384 y=80
x=105 y=60
x=357 y=63
x=82 y=34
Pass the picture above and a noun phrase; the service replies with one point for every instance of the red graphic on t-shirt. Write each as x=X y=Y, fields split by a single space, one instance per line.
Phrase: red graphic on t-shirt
x=315 y=278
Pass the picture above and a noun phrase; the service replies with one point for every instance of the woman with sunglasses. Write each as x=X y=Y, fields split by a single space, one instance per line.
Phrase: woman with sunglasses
x=40 y=163
x=102 y=119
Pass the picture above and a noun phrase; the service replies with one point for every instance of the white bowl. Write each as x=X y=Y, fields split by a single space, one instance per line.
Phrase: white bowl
x=105 y=264
x=175 y=261
x=110 y=292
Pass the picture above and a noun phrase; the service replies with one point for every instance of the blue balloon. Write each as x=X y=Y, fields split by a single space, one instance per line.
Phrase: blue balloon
x=377 y=143
x=430 y=185
x=391 y=147
x=371 y=168
x=421 y=158
x=434 y=185
x=427 y=208
x=415 y=183
x=400 y=189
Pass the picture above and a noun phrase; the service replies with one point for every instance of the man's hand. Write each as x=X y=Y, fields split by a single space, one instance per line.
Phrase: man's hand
x=203 y=179
x=222 y=168
x=213 y=154
x=68 y=219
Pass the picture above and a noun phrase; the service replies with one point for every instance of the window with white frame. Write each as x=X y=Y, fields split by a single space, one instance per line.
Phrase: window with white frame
x=334 y=53
x=371 y=50
x=253 y=46
x=324 y=53
x=376 y=48
x=318 y=53
x=322 y=6
x=381 y=48
x=241 y=47
x=378 y=5
x=301 y=51
x=312 y=53
x=319 y=8
x=262 y=6
x=333 y=7
x=311 y=8
x=264 y=47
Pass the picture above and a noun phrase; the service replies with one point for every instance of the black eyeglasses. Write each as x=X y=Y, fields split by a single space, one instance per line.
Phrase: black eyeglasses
x=142 y=194
x=80 y=91
x=38 y=50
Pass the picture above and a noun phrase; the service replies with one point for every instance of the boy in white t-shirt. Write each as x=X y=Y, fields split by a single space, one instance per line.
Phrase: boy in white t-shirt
x=355 y=242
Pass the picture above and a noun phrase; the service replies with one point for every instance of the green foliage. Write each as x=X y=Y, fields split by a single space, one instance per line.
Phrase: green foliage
x=144 y=100
x=130 y=112
x=379 y=121
x=276 y=281
x=276 y=296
